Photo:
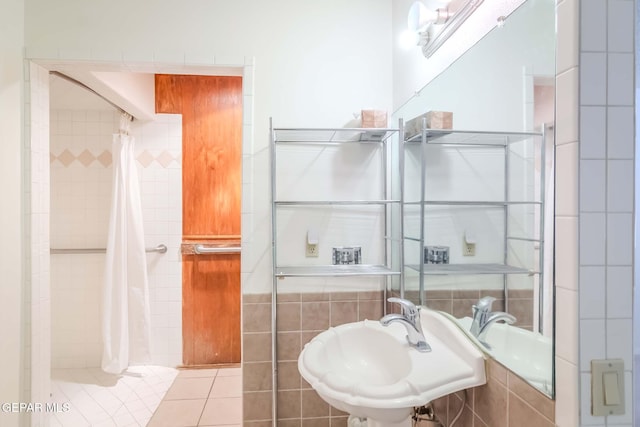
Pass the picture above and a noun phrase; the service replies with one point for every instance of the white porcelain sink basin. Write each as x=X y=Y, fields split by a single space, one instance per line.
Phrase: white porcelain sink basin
x=370 y=371
x=527 y=353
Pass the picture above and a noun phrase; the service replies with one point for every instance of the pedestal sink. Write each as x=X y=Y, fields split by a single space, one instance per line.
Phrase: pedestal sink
x=371 y=371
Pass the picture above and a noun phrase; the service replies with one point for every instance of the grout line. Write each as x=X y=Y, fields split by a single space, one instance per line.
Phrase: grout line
x=212 y=384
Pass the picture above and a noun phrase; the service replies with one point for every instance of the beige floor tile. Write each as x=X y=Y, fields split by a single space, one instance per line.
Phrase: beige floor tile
x=222 y=412
x=177 y=413
x=189 y=388
x=197 y=373
x=228 y=372
x=226 y=387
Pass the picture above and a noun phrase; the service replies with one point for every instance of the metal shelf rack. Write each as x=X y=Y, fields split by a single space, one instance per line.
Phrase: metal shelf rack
x=462 y=140
x=379 y=137
x=333 y=136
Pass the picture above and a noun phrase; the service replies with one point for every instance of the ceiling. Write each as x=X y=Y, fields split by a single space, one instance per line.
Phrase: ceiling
x=65 y=95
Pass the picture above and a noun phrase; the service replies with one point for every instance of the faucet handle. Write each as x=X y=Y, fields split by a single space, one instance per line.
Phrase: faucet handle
x=483 y=305
x=408 y=308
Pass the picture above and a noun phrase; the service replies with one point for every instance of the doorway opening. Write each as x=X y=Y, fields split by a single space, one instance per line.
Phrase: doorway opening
x=161 y=162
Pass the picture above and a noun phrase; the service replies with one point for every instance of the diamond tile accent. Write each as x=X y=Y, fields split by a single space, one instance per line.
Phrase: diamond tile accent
x=164 y=159
x=86 y=158
x=66 y=158
x=105 y=158
x=145 y=158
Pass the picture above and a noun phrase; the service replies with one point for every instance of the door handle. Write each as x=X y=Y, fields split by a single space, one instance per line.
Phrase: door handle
x=203 y=250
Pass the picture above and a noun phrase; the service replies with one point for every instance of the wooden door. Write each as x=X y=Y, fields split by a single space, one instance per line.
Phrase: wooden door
x=211 y=108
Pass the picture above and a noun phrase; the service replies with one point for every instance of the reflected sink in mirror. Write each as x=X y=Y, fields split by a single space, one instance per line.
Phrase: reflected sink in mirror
x=370 y=371
x=528 y=354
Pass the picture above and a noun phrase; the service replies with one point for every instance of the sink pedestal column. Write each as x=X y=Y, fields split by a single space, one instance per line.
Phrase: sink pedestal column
x=373 y=423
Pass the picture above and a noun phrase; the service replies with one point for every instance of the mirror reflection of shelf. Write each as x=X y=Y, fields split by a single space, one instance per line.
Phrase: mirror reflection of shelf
x=459 y=269
x=466 y=138
x=498 y=203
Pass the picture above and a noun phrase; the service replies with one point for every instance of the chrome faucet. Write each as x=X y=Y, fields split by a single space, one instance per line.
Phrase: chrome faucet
x=483 y=317
x=410 y=318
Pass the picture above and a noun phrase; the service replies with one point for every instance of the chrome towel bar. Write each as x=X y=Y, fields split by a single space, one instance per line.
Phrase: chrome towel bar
x=159 y=249
x=203 y=250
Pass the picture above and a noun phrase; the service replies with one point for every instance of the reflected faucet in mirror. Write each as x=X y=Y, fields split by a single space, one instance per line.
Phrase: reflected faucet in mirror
x=410 y=318
x=483 y=318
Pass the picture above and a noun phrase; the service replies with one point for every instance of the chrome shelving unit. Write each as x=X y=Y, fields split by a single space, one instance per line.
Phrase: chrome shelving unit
x=281 y=137
x=336 y=271
x=324 y=136
x=462 y=140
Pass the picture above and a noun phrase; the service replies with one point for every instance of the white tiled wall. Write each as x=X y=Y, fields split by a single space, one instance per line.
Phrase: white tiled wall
x=80 y=200
x=595 y=154
x=37 y=296
x=81 y=174
x=594 y=136
x=158 y=150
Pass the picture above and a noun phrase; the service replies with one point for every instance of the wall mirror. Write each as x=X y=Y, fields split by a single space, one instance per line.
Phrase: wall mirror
x=503 y=87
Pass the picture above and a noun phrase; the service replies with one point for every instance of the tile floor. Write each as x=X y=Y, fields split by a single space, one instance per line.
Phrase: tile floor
x=152 y=396
x=98 y=399
x=202 y=397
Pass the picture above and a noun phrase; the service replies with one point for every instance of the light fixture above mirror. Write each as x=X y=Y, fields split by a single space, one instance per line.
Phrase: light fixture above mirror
x=434 y=21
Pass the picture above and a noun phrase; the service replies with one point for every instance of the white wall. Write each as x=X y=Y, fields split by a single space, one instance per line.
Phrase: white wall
x=347 y=172
x=412 y=71
x=309 y=54
x=11 y=246
x=352 y=171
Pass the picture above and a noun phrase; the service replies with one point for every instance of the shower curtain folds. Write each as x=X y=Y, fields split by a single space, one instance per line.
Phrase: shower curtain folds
x=125 y=303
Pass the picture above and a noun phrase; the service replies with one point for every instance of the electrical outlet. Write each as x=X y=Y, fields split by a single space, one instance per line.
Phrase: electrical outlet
x=312 y=250
x=468 y=249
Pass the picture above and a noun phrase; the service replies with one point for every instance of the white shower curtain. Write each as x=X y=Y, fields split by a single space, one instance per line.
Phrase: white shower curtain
x=125 y=303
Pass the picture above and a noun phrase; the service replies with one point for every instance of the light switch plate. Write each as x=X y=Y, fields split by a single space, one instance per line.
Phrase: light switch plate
x=607 y=387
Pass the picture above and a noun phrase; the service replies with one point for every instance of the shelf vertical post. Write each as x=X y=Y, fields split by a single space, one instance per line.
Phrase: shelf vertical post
x=423 y=188
x=401 y=205
x=505 y=281
x=385 y=147
x=274 y=287
x=541 y=245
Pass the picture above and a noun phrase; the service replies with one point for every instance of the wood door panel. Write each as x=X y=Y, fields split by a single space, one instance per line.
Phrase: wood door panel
x=211 y=293
x=168 y=96
x=211 y=108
